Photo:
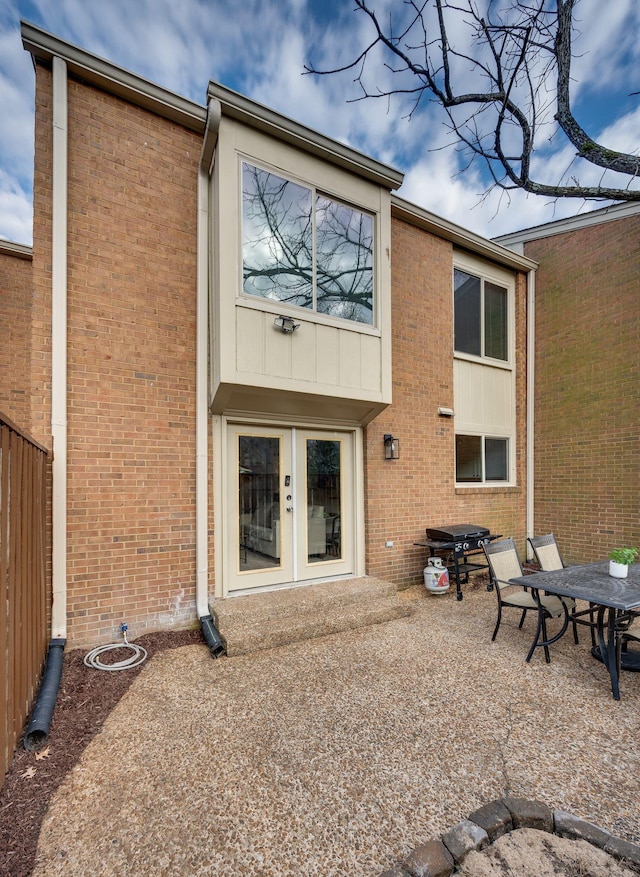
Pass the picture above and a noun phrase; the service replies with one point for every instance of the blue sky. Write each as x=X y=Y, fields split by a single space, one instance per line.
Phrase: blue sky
x=259 y=47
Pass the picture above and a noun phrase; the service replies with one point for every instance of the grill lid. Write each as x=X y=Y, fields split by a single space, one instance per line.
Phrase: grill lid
x=455 y=532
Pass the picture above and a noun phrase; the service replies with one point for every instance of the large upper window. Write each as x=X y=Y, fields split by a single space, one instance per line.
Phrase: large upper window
x=480 y=317
x=302 y=248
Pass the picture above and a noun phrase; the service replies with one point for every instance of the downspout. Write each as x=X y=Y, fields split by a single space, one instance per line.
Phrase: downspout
x=40 y=723
x=209 y=630
x=531 y=353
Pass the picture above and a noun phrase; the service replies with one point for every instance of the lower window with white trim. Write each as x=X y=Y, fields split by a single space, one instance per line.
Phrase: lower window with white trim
x=481 y=459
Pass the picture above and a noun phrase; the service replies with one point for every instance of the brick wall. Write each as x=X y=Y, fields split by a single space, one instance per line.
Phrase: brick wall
x=131 y=376
x=131 y=361
x=404 y=497
x=15 y=320
x=587 y=425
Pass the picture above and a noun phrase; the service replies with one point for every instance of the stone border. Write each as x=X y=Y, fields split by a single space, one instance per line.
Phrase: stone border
x=441 y=858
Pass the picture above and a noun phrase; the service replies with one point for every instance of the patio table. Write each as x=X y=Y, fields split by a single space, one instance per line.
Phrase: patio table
x=616 y=599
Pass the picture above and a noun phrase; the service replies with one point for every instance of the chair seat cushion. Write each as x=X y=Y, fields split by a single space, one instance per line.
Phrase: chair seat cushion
x=526 y=600
x=523 y=599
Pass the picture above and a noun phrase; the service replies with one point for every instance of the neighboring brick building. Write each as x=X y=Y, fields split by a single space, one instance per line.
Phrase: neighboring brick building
x=587 y=379
x=216 y=431
x=15 y=318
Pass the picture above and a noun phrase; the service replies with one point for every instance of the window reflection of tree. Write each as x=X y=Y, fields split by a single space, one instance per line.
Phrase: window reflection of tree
x=278 y=229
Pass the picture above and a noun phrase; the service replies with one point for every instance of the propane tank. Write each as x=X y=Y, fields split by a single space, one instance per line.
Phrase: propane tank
x=436 y=576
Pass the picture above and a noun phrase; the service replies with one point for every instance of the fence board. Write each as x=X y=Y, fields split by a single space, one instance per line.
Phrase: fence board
x=22 y=580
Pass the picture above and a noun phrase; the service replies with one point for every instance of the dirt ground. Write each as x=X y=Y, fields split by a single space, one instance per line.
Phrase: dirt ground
x=85 y=699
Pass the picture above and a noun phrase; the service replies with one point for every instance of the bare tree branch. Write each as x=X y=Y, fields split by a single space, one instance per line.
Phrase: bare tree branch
x=519 y=55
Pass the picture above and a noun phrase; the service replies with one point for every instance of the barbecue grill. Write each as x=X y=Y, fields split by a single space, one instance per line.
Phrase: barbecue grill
x=464 y=544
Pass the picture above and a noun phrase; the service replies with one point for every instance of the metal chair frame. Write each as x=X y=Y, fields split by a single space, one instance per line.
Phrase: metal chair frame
x=504 y=564
x=547 y=554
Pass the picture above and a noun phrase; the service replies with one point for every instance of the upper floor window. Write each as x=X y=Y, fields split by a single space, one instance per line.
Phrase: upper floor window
x=303 y=248
x=480 y=317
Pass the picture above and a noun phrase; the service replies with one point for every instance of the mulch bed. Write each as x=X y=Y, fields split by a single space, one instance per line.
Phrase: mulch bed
x=85 y=698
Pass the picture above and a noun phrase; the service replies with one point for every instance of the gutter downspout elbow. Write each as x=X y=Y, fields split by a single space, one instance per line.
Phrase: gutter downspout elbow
x=209 y=630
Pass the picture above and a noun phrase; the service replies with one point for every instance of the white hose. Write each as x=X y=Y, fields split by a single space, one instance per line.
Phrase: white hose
x=139 y=654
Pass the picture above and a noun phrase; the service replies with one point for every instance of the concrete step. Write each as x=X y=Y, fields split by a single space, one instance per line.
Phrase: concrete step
x=274 y=618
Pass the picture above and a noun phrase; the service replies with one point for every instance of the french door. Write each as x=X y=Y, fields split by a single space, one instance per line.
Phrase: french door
x=291 y=505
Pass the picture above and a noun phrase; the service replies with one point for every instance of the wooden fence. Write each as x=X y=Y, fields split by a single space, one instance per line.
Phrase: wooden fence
x=23 y=599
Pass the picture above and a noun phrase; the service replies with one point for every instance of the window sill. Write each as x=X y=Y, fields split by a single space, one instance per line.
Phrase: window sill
x=483 y=360
x=468 y=489
x=306 y=316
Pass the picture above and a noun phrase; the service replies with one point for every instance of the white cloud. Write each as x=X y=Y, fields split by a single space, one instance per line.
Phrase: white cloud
x=259 y=47
x=15 y=211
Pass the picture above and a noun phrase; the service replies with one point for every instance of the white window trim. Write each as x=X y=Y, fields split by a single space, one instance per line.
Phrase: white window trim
x=493 y=274
x=488 y=271
x=484 y=484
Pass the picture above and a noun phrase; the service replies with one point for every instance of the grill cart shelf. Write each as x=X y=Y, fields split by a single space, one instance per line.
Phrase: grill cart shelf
x=464 y=546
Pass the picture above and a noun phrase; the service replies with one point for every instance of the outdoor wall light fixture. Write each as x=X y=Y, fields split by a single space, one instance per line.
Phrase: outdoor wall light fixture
x=285 y=324
x=391 y=447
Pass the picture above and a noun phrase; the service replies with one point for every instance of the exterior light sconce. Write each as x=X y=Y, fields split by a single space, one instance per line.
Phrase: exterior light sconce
x=445 y=412
x=285 y=324
x=391 y=447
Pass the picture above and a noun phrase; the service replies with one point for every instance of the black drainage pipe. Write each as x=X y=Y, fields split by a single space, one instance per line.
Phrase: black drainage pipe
x=212 y=637
x=38 y=729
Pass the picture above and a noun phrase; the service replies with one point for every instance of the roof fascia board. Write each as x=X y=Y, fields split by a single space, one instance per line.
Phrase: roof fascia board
x=570 y=223
x=243 y=109
x=459 y=236
x=20 y=251
x=115 y=80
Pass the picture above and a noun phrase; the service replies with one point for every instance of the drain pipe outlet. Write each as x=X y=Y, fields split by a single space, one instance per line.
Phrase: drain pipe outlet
x=40 y=723
x=212 y=637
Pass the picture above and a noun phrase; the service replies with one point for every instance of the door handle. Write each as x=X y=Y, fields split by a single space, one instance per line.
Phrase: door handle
x=289 y=508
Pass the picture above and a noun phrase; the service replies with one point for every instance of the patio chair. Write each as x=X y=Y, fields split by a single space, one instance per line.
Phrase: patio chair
x=547 y=553
x=504 y=564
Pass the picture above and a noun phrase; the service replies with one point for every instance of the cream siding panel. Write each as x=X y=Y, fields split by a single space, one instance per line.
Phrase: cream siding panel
x=250 y=354
x=350 y=360
x=483 y=398
x=304 y=352
x=498 y=396
x=327 y=356
x=371 y=359
x=277 y=349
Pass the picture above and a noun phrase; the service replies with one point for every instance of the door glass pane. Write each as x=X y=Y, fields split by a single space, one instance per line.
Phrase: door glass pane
x=467 y=316
x=259 y=533
x=324 y=539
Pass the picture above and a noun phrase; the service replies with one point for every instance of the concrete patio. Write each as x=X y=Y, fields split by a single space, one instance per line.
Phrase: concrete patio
x=339 y=755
